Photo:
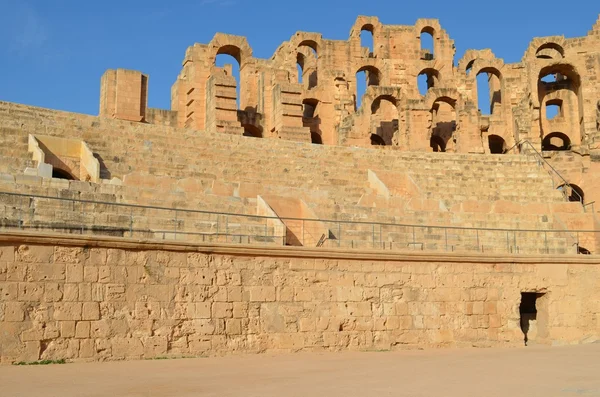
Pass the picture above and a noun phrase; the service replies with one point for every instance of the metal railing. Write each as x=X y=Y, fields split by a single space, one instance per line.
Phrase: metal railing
x=89 y=217
x=551 y=171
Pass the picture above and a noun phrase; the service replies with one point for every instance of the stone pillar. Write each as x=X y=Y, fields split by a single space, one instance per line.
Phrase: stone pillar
x=124 y=95
x=221 y=105
x=288 y=111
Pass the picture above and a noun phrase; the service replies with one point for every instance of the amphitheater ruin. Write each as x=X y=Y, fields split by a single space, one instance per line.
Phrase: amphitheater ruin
x=286 y=211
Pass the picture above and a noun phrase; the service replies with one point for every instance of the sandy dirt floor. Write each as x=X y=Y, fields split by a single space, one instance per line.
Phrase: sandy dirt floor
x=532 y=371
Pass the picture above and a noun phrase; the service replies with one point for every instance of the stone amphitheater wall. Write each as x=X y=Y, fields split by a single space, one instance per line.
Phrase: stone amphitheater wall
x=78 y=298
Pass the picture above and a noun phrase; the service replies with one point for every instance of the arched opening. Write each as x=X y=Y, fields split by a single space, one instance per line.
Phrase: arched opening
x=572 y=192
x=376 y=140
x=554 y=109
x=427 y=79
x=550 y=51
x=229 y=58
x=384 y=118
x=367 y=39
x=311 y=119
x=561 y=106
x=365 y=77
x=489 y=92
x=252 y=131
x=300 y=67
x=556 y=141
x=497 y=144
x=443 y=116
x=308 y=50
x=316 y=138
x=62 y=174
x=437 y=144
x=427 y=43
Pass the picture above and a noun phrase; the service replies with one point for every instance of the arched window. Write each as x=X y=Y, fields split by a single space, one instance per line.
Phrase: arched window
x=489 y=94
x=300 y=67
x=365 y=77
x=306 y=61
x=229 y=58
x=384 y=118
x=367 y=40
x=427 y=79
x=496 y=144
x=443 y=116
x=427 y=43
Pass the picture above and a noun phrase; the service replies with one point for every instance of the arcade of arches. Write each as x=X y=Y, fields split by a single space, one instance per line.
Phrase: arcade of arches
x=366 y=91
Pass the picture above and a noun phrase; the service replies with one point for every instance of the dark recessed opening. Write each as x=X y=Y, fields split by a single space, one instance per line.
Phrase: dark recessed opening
x=61 y=174
x=528 y=311
x=497 y=144
x=376 y=140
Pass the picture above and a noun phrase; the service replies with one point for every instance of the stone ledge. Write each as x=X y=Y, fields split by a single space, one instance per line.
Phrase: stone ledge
x=289 y=252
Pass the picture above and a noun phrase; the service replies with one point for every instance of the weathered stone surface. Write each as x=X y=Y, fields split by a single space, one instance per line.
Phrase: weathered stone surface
x=356 y=305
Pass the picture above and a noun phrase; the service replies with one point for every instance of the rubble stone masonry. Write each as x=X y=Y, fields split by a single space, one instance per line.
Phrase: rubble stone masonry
x=81 y=298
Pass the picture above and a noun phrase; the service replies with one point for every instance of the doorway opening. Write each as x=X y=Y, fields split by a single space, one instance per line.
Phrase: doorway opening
x=533 y=316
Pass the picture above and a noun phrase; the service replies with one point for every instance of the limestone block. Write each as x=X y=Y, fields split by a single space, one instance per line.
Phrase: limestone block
x=64 y=311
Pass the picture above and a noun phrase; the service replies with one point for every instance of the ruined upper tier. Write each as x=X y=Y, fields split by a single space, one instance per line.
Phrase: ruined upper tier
x=321 y=105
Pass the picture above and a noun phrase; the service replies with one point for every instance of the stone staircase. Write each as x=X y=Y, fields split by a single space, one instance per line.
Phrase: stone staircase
x=185 y=169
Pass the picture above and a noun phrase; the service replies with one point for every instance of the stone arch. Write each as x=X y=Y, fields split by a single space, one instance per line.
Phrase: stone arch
x=444 y=122
x=426 y=54
x=431 y=80
x=550 y=50
x=567 y=87
x=376 y=103
x=373 y=74
x=236 y=46
x=365 y=23
x=556 y=141
x=495 y=83
x=496 y=144
x=372 y=77
x=468 y=60
x=546 y=46
x=371 y=30
x=572 y=192
x=448 y=95
x=384 y=118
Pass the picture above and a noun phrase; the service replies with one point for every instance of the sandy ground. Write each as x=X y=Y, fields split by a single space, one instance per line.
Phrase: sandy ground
x=532 y=371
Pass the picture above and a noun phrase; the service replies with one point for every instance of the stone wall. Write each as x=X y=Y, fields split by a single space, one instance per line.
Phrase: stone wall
x=82 y=298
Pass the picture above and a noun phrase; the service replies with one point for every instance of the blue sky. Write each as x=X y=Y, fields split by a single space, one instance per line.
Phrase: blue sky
x=53 y=53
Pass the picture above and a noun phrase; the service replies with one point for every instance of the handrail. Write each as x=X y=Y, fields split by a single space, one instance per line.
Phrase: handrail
x=540 y=157
x=290 y=218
